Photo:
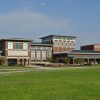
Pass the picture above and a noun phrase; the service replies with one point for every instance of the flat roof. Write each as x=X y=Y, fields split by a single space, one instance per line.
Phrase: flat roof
x=40 y=44
x=79 y=52
x=85 y=51
x=15 y=39
x=57 y=36
x=90 y=44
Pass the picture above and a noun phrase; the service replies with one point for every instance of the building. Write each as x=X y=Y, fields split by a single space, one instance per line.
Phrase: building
x=16 y=51
x=89 y=56
x=25 y=52
x=40 y=52
x=60 y=43
x=94 y=47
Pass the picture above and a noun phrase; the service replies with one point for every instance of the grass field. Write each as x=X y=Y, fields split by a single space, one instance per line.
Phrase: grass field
x=59 y=84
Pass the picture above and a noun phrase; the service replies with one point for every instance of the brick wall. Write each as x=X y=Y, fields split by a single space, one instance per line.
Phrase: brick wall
x=87 y=47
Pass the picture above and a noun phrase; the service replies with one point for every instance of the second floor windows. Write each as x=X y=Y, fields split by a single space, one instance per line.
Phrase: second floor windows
x=17 y=45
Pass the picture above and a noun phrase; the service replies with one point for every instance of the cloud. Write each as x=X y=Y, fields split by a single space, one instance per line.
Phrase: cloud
x=34 y=25
x=30 y=22
x=43 y=4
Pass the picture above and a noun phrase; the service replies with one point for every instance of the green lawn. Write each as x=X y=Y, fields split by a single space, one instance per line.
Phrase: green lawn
x=64 y=84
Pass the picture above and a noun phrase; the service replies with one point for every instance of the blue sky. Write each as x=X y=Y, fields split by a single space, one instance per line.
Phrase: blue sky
x=35 y=18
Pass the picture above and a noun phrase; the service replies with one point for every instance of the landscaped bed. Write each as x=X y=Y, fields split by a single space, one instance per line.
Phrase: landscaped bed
x=63 y=84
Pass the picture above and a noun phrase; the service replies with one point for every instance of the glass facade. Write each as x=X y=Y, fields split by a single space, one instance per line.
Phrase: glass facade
x=33 y=55
x=43 y=55
x=40 y=55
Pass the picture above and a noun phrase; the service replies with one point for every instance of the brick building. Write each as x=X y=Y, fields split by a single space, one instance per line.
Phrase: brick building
x=94 y=47
x=60 y=43
x=89 y=56
x=40 y=52
x=90 y=53
x=25 y=52
x=16 y=51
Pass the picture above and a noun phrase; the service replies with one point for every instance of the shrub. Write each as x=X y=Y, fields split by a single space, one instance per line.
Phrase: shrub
x=79 y=61
x=66 y=60
x=2 y=61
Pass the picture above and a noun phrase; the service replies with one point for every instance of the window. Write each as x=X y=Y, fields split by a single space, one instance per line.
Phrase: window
x=64 y=38
x=33 y=55
x=25 y=46
x=18 y=46
x=43 y=55
x=69 y=38
x=10 y=45
x=49 y=54
x=68 y=44
x=56 y=43
x=38 y=54
x=72 y=43
x=32 y=48
x=64 y=44
x=49 y=48
x=43 y=48
x=60 y=44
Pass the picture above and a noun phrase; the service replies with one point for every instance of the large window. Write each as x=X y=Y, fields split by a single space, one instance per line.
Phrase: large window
x=68 y=44
x=33 y=55
x=56 y=43
x=10 y=45
x=18 y=46
x=43 y=55
x=38 y=54
x=25 y=46
x=72 y=43
x=49 y=54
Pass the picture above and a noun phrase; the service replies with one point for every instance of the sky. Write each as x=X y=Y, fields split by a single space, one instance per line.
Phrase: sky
x=35 y=18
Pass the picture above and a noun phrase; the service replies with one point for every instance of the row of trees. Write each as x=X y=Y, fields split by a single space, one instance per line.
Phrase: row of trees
x=75 y=61
x=67 y=60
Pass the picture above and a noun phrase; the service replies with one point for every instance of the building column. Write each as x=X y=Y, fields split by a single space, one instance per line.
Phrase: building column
x=6 y=61
x=22 y=61
x=35 y=56
x=28 y=62
x=88 y=61
x=94 y=61
x=73 y=60
x=41 y=55
x=18 y=61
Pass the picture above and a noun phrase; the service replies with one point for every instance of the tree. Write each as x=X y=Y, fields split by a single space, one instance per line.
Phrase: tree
x=52 y=60
x=79 y=61
x=49 y=59
x=66 y=60
x=2 y=61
